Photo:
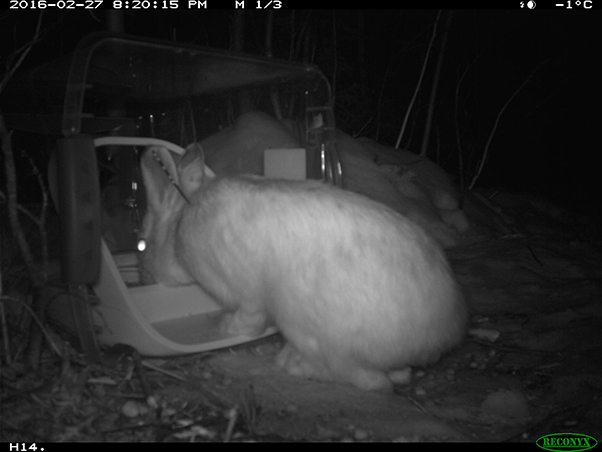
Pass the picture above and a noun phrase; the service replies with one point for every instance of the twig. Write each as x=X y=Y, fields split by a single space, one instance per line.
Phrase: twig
x=457 y=128
x=37 y=320
x=419 y=83
x=168 y=373
x=232 y=415
x=497 y=120
x=38 y=276
x=4 y=326
x=24 y=51
x=434 y=87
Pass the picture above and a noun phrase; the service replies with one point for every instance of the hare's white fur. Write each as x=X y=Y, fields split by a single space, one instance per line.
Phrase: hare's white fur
x=357 y=289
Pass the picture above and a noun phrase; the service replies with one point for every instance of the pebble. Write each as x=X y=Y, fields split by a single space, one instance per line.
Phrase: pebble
x=132 y=409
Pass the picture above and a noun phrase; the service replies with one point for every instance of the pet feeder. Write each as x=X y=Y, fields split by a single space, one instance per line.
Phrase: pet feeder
x=154 y=319
x=122 y=94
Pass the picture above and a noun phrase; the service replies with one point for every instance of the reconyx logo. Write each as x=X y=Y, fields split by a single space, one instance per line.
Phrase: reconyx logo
x=566 y=442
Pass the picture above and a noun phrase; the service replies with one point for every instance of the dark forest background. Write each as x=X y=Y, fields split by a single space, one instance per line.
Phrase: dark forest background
x=546 y=139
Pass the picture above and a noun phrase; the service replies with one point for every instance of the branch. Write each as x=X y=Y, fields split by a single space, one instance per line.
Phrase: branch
x=9 y=166
x=419 y=83
x=24 y=51
x=497 y=120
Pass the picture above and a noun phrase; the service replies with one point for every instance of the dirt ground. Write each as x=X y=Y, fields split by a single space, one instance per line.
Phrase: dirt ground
x=530 y=366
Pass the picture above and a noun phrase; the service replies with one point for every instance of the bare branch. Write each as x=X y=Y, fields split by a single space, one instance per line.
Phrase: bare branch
x=419 y=83
x=495 y=125
x=23 y=51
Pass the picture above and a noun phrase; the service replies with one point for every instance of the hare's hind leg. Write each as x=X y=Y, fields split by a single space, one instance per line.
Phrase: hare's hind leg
x=244 y=322
x=300 y=365
x=370 y=379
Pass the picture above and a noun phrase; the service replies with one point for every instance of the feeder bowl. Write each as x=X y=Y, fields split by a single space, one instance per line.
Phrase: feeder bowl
x=123 y=93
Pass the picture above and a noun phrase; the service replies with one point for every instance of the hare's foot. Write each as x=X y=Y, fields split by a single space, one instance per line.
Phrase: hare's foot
x=401 y=376
x=297 y=364
x=243 y=323
x=370 y=380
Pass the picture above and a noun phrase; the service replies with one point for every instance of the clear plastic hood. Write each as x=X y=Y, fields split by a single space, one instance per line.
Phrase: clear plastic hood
x=184 y=93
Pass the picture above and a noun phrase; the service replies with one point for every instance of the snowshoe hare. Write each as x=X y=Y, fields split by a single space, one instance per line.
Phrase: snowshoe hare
x=358 y=291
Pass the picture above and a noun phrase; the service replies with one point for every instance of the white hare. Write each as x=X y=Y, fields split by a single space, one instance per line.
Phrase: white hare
x=357 y=290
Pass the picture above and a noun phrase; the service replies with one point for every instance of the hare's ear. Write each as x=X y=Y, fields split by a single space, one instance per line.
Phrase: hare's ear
x=191 y=169
x=154 y=163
